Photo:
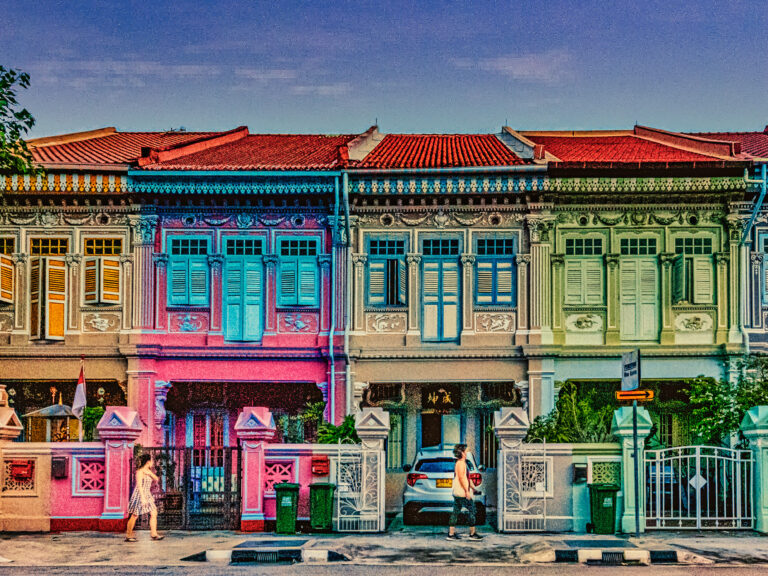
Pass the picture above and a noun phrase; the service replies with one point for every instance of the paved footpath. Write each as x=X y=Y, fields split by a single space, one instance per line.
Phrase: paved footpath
x=407 y=547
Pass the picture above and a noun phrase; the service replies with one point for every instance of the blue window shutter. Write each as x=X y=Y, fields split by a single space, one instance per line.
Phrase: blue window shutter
x=233 y=302
x=288 y=290
x=253 y=293
x=505 y=282
x=402 y=282
x=308 y=284
x=431 y=300
x=484 y=282
x=377 y=282
x=450 y=296
x=177 y=281
x=198 y=282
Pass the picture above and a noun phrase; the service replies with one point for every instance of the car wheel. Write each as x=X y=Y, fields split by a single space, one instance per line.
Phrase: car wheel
x=479 y=514
x=410 y=514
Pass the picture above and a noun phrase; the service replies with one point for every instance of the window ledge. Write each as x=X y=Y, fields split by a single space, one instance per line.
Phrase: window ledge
x=494 y=308
x=296 y=308
x=386 y=309
x=187 y=308
x=687 y=306
x=584 y=308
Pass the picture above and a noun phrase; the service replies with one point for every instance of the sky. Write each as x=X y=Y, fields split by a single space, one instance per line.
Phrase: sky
x=414 y=66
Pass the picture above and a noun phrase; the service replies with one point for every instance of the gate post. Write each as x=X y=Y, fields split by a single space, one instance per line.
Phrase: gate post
x=372 y=426
x=254 y=427
x=622 y=427
x=10 y=429
x=119 y=428
x=754 y=426
x=511 y=425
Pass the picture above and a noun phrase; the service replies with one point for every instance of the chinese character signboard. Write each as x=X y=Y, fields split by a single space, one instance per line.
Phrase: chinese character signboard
x=441 y=397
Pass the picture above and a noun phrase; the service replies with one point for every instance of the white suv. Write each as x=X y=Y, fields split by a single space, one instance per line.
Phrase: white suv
x=429 y=484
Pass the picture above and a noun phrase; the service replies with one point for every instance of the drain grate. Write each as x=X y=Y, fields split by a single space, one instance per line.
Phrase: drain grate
x=272 y=544
x=613 y=557
x=265 y=556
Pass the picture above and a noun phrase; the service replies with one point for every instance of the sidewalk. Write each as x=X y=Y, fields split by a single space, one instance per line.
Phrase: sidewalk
x=423 y=545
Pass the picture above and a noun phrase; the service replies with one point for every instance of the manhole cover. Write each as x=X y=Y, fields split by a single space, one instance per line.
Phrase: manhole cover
x=599 y=544
x=272 y=544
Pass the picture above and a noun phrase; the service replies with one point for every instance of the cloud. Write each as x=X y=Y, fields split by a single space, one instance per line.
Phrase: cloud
x=548 y=67
x=266 y=75
x=337 y=89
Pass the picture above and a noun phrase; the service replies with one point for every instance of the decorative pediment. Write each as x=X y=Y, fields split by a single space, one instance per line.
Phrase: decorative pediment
x=511 y=422
x=622 y=422
x=372 y=423
x=755 y=422
x=255 y=423
x=120 y=423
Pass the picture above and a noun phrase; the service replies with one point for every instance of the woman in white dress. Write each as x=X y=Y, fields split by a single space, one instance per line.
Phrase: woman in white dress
x=142 y=501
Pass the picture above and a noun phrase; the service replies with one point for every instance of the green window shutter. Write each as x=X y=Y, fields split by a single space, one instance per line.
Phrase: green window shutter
x=628 y=298
x=198 y=282
x=233 y=309
x=765 y=279
x=178 y=269
x=377 y=282
x=593 y=281
x=484 y=278
x=402 y=282
x=431 y=296
x=505 y=282
x=703 y=285
x=678 y=279
x=574 y=291
x=450 y=297
x=649 y=299
x=308 y=285
x=288 y=295
x=253 y=293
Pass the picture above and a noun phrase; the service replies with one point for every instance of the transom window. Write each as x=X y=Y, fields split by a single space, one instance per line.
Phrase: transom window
x=386 y=247
x=638 y=246
x=689 y=245
x=103 y=246
x=189 y=246
x=7 y=246
x=298 y=247
x=244 y=246
x=49 y=246
x=496 y=247
x=441 y=247
x=583 y=246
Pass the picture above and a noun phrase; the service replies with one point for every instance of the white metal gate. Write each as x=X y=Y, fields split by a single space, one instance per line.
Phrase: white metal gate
x=698 y=487
x=359 y=478
x=524 y=473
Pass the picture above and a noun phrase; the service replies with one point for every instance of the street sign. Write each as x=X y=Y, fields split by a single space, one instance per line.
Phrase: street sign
x=630 y=370
x=636 y=395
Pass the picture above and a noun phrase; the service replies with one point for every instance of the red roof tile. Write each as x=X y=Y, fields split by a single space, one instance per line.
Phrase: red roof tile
x=108 y=149
x=439 y=151
x=753 y=144
x=267 y=152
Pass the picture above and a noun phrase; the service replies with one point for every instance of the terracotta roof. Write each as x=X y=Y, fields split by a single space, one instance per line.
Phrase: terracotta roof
x=753 y=144
x=105 y=147
x=439 y=151
x=265 y=152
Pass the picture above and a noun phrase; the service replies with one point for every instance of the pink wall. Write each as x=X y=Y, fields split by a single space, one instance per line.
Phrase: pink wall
x=75 y=505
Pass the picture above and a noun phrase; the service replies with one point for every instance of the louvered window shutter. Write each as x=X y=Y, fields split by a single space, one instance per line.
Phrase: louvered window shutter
x=703 y=285
x=431 y=295
x=178 y=275
x=678 y=279
x=402 y=282
x=308 y=284
x=253 y=294
x=288 y=295
x=484 y=288
x=91 y=280
x=505 y=282
x=198 y=282
x=450 y=295
x=628 y=298
x=377 y=282
x=35 y=265
x=233 y=309
x=6 y=279
x=649 y=299
x=765 y=278
x=574 y=291
x=110 y=280
x=55 y=298
x=593 y=281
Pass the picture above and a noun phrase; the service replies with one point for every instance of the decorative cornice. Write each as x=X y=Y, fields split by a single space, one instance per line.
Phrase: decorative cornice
x=359 y=259
x=667 y=258
x=523 y=259
x=468 y=259
x=73 y=260
x=722 y=258
x=557 y=259
x=74 y=182
x=413 y=258
x=216 y=261
x=20 y=258
x=271 y=260
x=325 y=261
x=246 y=185
x=612 y=260
x=161 y=259
x=143 y=228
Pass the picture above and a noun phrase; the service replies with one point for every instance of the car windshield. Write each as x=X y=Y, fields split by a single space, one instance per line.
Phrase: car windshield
x=443 y=465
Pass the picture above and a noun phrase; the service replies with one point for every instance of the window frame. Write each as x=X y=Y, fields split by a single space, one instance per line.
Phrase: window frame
x=583 y=261
x=95 y=264
x=244 y=261
x=298 y=260
x=202 y=301
x=402 y=415
x=689 y=265
x=495 y=260
x=441 y=302
x=399 y=300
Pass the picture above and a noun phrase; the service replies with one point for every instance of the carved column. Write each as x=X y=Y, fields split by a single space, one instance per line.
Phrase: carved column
x=160 y=318
x=216 y=263
x=541 y=279
x=270 y=290
x=727 y=300
x=126 y=264
x=558 y=317
x=612 y=328
x=755 y=281
x=414 y=294
x=326 y=292
x=358 y=292
x=523 y=297
x=143 y=238
x=73 y=288
x=20 y=297
x=468 y=267
x=667 y=319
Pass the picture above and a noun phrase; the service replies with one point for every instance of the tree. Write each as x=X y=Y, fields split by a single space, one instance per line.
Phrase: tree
x=15 y=157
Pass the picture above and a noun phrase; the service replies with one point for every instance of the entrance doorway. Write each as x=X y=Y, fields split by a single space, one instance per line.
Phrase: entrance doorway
x=437 y=429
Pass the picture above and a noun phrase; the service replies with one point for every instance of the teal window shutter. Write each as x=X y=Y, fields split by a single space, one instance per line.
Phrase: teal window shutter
x=252 y=296
x=703 y=285
x=233 y=301
x=450 y=297
x=288 y=274
x=402 y=282
x=678 y=279
x=308 y=282
x=431 y=303
x=178 y=282
x=377 y=282
x=198 y=282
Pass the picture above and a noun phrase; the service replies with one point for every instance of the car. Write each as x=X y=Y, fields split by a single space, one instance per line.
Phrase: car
x=429 y=485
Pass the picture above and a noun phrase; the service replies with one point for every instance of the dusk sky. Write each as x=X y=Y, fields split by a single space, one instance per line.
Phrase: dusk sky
x=333 y=67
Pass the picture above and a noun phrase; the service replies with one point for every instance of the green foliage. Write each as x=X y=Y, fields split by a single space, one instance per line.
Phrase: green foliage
x=91 y=417
x=331 y=434
x=15 y=157
x=720 y=405
x=313 y=413
x=581 y=415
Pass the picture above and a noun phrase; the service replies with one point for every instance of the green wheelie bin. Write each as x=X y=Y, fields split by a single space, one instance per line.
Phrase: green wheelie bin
x=321 y=506
x=602 y=507
x=287 y=499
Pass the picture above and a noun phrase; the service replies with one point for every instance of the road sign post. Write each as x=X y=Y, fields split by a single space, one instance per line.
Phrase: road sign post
x=630 y=382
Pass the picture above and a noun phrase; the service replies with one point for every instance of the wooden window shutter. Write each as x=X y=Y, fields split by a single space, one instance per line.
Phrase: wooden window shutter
x=91 y=280
x=505 y=282
x=55 y=298
x=178 y=274
x=765 y=279
x=703 y=285
x=288 y=295
x=198 y=282
x=233 y=329
x=450 y=296
x=110 y=280
x=678 y=279
x=402 y=282
x=574 y=291
x=308 y=282
x=593 y=281
x=484 y=290
x=628 y=298
x=6 y=279
x=35 y=265
x=253 y=294
x=377 y=282
x=649 y=299
x=431 y=296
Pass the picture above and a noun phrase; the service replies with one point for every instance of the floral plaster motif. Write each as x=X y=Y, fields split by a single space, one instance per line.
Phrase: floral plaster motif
x=495 y=322
x=386 y=322
x=298 y=322
x=100 y=322
x=6 y=322
x=188 y=322
x=693 y=322
x=584 y=322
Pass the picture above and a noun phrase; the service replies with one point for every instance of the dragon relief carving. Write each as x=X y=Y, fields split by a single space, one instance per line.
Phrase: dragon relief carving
x=386 y=322
x=495 y=322
x=100 y=322
x=693 y=322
